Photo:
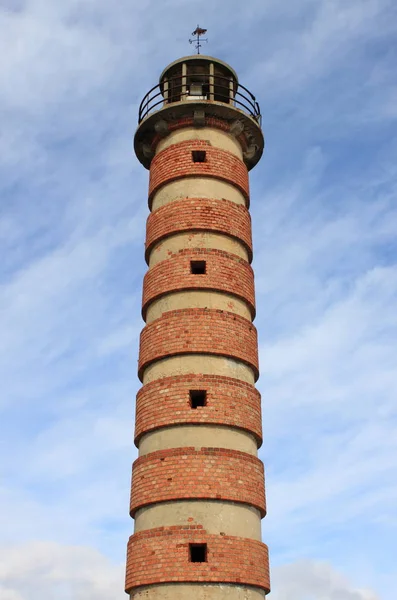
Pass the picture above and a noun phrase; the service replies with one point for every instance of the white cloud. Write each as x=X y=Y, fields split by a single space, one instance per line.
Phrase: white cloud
x=327 y=294
x=37 y=571
x=325 y=35
x=309 y=580
x=71 y=230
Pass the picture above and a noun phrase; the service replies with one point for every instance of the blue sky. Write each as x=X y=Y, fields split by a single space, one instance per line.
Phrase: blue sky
x=72 y=218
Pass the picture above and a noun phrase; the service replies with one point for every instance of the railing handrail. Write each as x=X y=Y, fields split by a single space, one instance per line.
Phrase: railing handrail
x=232 y=95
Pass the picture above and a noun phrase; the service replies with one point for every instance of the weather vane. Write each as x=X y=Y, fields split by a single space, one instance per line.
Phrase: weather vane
x=198 y=32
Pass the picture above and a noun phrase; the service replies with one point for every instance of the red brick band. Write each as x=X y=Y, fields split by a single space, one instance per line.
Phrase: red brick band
x=230 y=402
x=199 y=214
x=224 y=272
x=198 y=474
x=199 y=331
x=161 y=555
x=176 y=161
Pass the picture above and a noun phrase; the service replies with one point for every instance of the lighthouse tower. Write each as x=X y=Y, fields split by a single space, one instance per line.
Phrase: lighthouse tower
x=197 y=493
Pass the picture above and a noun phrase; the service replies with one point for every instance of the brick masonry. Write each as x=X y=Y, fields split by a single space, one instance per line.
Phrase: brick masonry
x=230 y=402
x=162 y=556
x=199 y=214
x=199 y=331
x=176 y=162
x=200 y=474
x=225 y=272
x=158 y=556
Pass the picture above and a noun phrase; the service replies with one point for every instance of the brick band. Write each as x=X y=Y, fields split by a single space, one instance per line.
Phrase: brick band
x=176 y=161
x=225 y=272
x=198 y=474
x=161 y=556
x=199 y=331
x=230 y=402
x=199 y=214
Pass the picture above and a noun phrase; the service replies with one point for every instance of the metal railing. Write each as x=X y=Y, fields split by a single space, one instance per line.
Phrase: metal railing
x=214 y=88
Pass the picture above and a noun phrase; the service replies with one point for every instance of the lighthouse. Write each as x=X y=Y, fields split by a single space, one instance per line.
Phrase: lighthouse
x=197 y=494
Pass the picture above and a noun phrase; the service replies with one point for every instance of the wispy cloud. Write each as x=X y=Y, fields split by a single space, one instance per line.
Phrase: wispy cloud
x=69 y=572
x=71 y=238
x=306 y=579
x=81 y=573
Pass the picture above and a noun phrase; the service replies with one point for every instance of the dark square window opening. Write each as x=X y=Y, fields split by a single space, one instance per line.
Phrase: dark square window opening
x=198 y=267
x=198 y=398
x=198 y=156
x=198 y=553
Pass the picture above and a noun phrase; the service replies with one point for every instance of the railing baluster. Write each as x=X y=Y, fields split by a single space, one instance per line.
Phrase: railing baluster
x=176 y=87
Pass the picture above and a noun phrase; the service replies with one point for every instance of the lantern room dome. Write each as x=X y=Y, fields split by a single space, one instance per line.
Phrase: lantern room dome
x=200 y=87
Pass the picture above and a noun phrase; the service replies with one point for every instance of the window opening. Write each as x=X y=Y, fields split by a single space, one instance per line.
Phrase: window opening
x=198 y=553
x=198 y=398
x=198 y=267
x=198 y=156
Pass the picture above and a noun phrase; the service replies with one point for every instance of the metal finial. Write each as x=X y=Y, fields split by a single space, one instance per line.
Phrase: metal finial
x=198 y=32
